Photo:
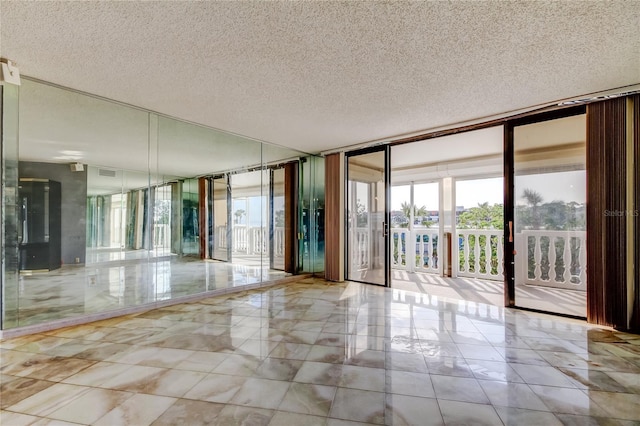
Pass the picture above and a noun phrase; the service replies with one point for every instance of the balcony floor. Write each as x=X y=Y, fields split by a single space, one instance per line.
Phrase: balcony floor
x=568 y=302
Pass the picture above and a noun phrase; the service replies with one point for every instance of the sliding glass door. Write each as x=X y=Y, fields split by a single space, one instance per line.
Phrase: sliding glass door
x=368 y=216
x=278 y=218
x=221 y=235
x=548 y=230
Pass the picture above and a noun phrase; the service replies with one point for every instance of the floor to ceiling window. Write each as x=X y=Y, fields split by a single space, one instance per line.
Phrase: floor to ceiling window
x=367 y=218
x=447 y=215
x=549 y=229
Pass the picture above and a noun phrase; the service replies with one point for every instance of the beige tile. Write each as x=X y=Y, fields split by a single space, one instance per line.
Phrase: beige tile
x=239 y=365
x=363 y=378
x=295 y=351
x=201 y=361
x=308 y=399
x=43 y=345
x=17 y=363
x=235 y=359
x=15 y=419
x=458 y=389
x=188 y=412
x=516 y=395
x=49 y=399
x=519 y=416
x=233 y=415
x=281 y=418
x=408 y=383
x=618 y=405
x=96 y=374
x=568 y=401
x=59 y=368
x=261 y=393
x=466 y=413
x=90 y=406
x=358 y=405
x=139 y=410
x=319 y=373
x=412 y=410
x=216 y=388
x=155 y=381
x=630 y=381
x=278 y=369
x=19 y=388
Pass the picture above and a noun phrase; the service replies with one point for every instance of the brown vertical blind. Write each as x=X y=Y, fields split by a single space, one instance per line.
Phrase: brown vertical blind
x=635 y=318
x=606 y=207
x=333 y=215
x=291 y=217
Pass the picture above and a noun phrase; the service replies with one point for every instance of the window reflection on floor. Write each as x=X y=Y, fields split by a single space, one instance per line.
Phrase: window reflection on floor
x=133 y=279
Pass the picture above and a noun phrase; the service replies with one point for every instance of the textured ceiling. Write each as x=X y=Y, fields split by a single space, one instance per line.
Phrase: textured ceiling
x=319 y=75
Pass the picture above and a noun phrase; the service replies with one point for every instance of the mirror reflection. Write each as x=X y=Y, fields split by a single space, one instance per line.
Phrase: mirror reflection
x=118 y=207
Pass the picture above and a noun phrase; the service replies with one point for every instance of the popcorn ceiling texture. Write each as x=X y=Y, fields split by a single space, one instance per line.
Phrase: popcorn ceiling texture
x=319 y=75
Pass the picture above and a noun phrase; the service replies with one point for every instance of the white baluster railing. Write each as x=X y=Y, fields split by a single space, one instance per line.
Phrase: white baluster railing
x=251 y=240
x=480 y=253
x=552 y=259
x=359 y=248
x=544 y=257
x=427 y=249
x=161 y=236
x=399 y=241
x=278 y=242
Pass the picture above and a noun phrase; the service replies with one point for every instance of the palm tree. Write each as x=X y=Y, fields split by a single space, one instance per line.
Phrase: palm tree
x=417 y=211
x=238 y=214
x=533 y=199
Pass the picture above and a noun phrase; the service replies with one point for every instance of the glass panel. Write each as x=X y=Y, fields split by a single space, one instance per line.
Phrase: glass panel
x=311 y=215
x=130 y=205
x=10 y=205
x=277 y=211
x=550 y=215
x=366 y=218
x=249 y=207
x=190 y=228
x=220 y=190
x=162 y=221
x=480 y=224
x=317 y=196
x=447 y=179
x=425 y=227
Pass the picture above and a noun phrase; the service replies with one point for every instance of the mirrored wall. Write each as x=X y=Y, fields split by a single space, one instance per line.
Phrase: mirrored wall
x=117 y=207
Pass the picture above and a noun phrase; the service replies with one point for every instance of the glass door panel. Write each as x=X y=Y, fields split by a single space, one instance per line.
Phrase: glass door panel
x=367 y=217
x=277 y=214
x=249 y=209
x=220 y=244
x=550 y=215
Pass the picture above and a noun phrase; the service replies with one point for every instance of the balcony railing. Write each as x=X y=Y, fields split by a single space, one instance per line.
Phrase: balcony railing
x=552 y=258
x=481 y=254
x=423 y=243
x=545 y=258
x=251 y=240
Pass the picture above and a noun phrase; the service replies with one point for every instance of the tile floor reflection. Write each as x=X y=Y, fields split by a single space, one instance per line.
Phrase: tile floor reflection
x=319 y=353
x=548 y=299
x=73 y=291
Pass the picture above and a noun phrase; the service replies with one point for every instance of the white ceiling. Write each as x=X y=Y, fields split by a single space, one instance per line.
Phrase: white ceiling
x=319 y=75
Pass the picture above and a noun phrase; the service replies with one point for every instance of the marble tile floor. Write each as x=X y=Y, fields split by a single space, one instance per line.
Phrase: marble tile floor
x=563 y=301
x=319 y=353
x=73 y=291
